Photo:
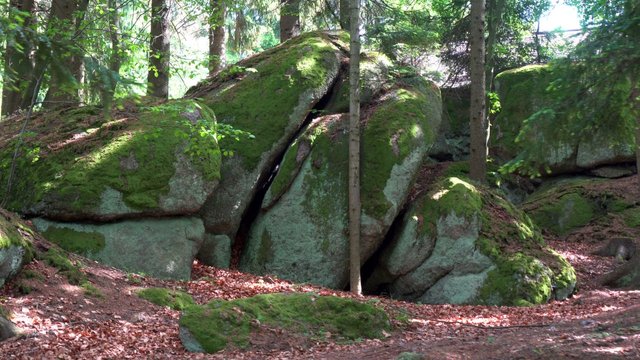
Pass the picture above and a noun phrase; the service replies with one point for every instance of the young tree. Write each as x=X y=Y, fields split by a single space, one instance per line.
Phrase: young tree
x=65 y=21
x=354 y=150
x=478 y=119
x=17 y=60
x=216 y=35
x=289 y=19
x=159 y=50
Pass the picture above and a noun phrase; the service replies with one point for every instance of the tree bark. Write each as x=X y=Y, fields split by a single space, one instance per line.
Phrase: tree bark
x=216 y=36
x=65 y=77
x=495 y=12
x=345 y=15
x=478 y=119
x=115 y=60
x=289 y=19
x=18 y=61
x=354 y=151
x=160 y=51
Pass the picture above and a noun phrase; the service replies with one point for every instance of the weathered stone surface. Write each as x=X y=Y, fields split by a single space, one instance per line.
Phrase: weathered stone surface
x=302 y=232
x=523 y=92
x=269 y=95
x=163 y=248
x=15 y=246
x=75 y=165
x=463 y=244
x=7 y=329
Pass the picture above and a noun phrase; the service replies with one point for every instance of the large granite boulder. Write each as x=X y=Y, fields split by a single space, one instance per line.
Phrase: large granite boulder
x=122 y=190
x=301 y=233
x=162 y=248
x=270 y=95
x=15 y=245
x=77 y=165
x=523 y=92
x=460 y=243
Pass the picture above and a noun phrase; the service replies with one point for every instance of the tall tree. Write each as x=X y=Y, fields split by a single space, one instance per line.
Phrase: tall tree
x=115 y=58
x=478 y=120
x=17 y=57
x=66 y=71
x=354 y=150
x=216 y=35
x=289 y=19
x=345 y=14
x=159 y=50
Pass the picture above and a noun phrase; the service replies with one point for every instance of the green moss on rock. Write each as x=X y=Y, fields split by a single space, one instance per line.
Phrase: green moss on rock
x=85 y=243
x=72 y=159
x=174 y=299
x=220 y=323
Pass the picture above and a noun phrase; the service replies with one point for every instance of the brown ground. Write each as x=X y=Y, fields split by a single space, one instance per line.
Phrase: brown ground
x=62 y=322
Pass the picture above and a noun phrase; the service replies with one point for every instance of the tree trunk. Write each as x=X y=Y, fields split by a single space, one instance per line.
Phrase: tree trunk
x=495 y=12
x=216 y=36
x=478 y=119
x=289 y=19
x=67 y=74
x=345 y=15
x=354 y=151
x=160 y=51
x=18 y=62
x=115 y=61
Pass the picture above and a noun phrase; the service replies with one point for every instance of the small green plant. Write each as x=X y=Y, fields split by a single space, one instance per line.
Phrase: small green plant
x=32 y=274
x=134 y=279
x=91 y=290
x=174 y=299
x=60 y=261
x=24 y=288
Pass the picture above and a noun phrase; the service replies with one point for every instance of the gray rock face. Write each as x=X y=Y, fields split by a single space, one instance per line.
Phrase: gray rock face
x=287 y=83
x=15 y=246
x=301 y=233
x=449 y=250
x=163 y=248
x=7 y=329
x=189 y=341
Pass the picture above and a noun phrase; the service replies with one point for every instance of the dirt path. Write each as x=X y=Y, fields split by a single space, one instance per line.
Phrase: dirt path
x=64 y=321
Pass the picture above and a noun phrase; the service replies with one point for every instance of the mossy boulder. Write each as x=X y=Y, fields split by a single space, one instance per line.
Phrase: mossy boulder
x=163 y=248
x=269 y=95
x=564 y=206
x=15 y=245
x=460 y=243
x=523 y=92
x=301 y=233
x=218 y=324
x=75 y=164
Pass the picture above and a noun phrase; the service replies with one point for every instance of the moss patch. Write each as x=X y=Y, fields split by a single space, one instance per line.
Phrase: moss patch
x=220 y=323
x=273 y=82
x=71 y=158
x=59 y=260
x=174 y=299
x=84 y=243
x=400 y=125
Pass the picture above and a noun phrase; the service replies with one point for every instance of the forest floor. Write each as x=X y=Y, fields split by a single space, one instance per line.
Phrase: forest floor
x=108 y=320
x=64 y=321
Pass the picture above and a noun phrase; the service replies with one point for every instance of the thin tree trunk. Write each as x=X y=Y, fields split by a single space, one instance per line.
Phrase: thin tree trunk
x=18 y=64
x=160 y=50
x=345 y=15
x=115 y=60
x=216 y=36
x=289 y=19
x=67 y=75
x=478 y=120
x=354 y=151
x=495 y=13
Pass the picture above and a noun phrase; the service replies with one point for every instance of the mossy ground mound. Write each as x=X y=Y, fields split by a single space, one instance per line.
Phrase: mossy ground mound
x=174 y=299
x=76 y=164
x=219 y=323
x=463 y=243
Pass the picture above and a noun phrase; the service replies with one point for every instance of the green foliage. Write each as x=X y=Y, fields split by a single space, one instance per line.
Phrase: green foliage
x=90 y=290
x=59 y=260
x=174 y=299
x=219 y=323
